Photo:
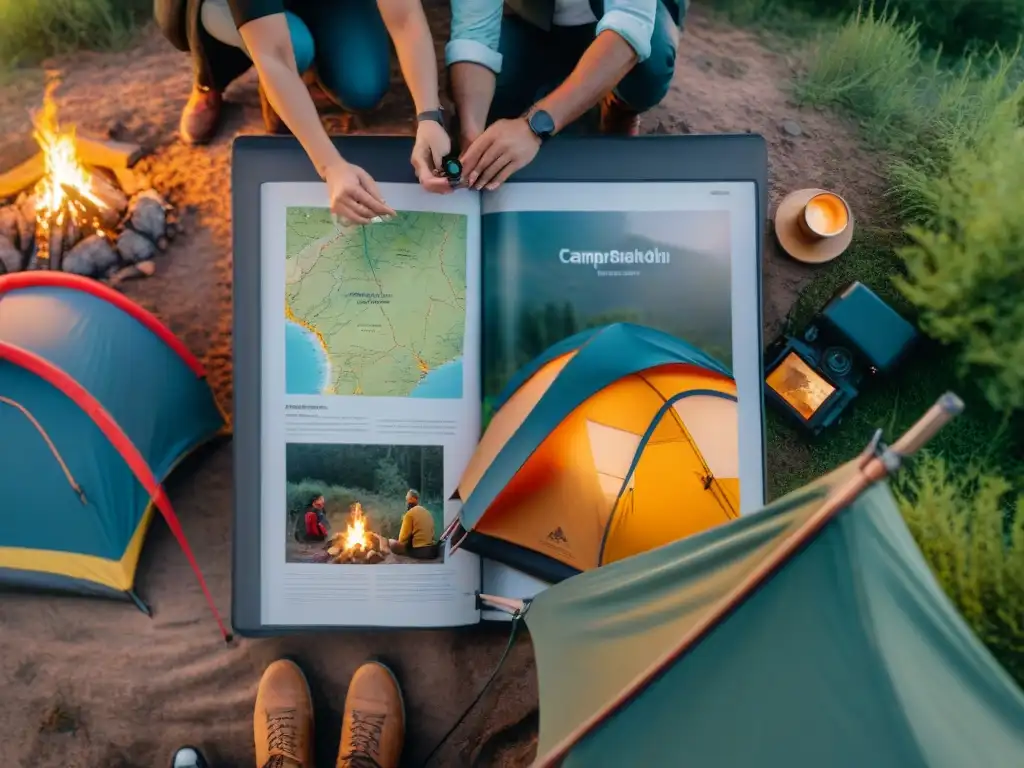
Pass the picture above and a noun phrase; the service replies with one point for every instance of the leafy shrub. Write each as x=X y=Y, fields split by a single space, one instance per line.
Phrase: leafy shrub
x=30 y=30
x=971 y=531
x=965 y=263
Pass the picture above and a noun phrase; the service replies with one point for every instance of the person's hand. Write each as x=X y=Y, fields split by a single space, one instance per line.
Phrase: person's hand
x=432 y=145
x=353 y=194
x=501 y=150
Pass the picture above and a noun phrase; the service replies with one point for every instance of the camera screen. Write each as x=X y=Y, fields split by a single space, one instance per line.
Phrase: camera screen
x=799 y=385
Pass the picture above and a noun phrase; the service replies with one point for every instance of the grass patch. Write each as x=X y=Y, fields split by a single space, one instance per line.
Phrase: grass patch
x=954 y=26
x=970 y=526
x=31 y=30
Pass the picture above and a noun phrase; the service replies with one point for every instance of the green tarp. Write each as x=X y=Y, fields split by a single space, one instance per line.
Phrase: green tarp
x=850 y=656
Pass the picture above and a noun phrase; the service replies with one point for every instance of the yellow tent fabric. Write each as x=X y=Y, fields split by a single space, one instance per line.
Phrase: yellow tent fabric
x=647 y=460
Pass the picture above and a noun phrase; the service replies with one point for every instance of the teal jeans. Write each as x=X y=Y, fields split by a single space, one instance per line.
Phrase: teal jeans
x=345 y=40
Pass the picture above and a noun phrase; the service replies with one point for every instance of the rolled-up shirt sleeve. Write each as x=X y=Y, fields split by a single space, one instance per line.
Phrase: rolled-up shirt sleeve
x=476 y=30
x=632 y=20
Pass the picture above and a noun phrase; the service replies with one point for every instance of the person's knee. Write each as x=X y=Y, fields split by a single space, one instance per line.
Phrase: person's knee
x=302 y=42
x=649 y=81
x=359 y=87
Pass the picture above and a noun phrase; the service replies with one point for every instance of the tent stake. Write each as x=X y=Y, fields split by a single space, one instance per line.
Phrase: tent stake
x=876 y=463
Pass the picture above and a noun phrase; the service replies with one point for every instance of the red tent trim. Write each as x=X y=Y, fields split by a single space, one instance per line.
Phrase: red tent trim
x=62 y=381
x=42 y=278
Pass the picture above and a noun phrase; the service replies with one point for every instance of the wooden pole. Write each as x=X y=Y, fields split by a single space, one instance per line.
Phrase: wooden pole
x=870 y=471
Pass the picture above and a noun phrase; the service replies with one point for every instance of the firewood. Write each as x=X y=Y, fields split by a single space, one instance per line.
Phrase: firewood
x=106 y=153
x=22 y=176
x=374 y=557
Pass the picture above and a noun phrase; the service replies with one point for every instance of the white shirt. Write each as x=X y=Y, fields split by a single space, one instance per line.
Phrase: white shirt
x=573 y=13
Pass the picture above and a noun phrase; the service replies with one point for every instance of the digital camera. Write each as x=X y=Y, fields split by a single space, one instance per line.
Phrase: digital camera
x=815 y=375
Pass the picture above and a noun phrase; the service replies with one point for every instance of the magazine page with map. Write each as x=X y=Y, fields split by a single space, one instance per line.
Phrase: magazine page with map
x=370 y=408
x=680 y=258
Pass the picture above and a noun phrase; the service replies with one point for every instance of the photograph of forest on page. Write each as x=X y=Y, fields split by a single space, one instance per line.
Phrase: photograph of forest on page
x=355 y=499
x=542 y=284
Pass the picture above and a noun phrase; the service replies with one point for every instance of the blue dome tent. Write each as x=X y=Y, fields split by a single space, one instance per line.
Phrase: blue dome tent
x=99 y=402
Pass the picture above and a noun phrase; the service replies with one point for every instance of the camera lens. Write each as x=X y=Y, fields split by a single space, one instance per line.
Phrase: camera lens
x=838 y=360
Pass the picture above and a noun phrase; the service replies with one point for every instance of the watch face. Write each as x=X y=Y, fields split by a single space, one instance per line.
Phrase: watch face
x=452 y=168
x=542 y=123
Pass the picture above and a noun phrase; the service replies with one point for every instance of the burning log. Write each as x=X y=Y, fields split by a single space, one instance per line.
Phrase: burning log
x=355 y=545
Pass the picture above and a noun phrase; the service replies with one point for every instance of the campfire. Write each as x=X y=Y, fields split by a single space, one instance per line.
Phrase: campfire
x=78 y=206
x=355 y=545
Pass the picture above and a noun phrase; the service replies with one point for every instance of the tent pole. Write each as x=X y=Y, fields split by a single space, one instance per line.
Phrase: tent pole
x=507 y=604
x=882 y=462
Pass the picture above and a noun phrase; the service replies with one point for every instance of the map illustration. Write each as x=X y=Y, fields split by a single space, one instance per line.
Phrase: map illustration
x=377 y=310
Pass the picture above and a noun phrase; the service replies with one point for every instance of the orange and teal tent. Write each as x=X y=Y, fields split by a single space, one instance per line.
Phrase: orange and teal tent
x=613 y=442
x=99 y=402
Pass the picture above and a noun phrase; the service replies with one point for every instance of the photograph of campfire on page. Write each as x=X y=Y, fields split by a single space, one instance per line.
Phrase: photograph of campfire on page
x=364 y=504
x=79 y=204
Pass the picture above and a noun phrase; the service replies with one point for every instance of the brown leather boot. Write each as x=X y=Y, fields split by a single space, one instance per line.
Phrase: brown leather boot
x=618 y=118
x=271 y=120
x=201 y=116
x=373 y=727
x=283 y=719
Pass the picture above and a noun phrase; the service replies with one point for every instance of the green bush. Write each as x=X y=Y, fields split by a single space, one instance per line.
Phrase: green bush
x=31 y=30
x=971 y=531
x=965 y=263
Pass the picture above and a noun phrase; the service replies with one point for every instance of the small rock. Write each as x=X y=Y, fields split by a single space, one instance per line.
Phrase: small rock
x=132 y=272
x=792 y=128
x=9 y=217
x=172 y=231
x=373 y=556
x=92 y=256
x=162 y=243
x=133 y=247
x=147 y=215
x=11 y=259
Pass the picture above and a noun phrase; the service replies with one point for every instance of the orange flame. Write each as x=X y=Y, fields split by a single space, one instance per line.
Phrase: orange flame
x=63 y=169
x=355 y=533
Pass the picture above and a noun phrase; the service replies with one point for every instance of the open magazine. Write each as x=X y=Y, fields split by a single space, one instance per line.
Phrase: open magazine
x=385 y=347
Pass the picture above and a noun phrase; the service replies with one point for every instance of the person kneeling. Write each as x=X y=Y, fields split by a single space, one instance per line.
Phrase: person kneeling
x=416 y=537
x=532 y=73
x=346 y=44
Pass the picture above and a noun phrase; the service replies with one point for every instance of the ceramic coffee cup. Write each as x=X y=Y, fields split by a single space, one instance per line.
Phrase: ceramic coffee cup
x=825 y=215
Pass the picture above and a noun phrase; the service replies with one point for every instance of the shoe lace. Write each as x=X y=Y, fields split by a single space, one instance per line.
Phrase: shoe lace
x=365 y=735
x=281 y=736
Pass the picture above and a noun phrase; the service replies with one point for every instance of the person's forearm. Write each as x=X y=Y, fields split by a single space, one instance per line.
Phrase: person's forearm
x=289 y=96
x=416 y=57
x=473 y=91
x=608 y=59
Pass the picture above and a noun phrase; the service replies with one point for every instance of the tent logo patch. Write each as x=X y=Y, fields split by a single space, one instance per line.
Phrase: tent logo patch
x=558 y=536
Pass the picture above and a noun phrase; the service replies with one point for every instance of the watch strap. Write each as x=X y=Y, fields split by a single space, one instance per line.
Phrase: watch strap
x=432 y=115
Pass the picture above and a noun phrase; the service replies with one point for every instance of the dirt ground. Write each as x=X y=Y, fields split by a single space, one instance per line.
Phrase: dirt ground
x=90 y=683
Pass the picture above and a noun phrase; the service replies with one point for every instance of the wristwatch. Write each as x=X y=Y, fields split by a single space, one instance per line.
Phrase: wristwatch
x=541 y=123
x=434 y=115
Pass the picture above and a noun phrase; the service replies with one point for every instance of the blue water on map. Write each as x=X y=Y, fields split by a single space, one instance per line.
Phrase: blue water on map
x=442 y=383
x=306 y=367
